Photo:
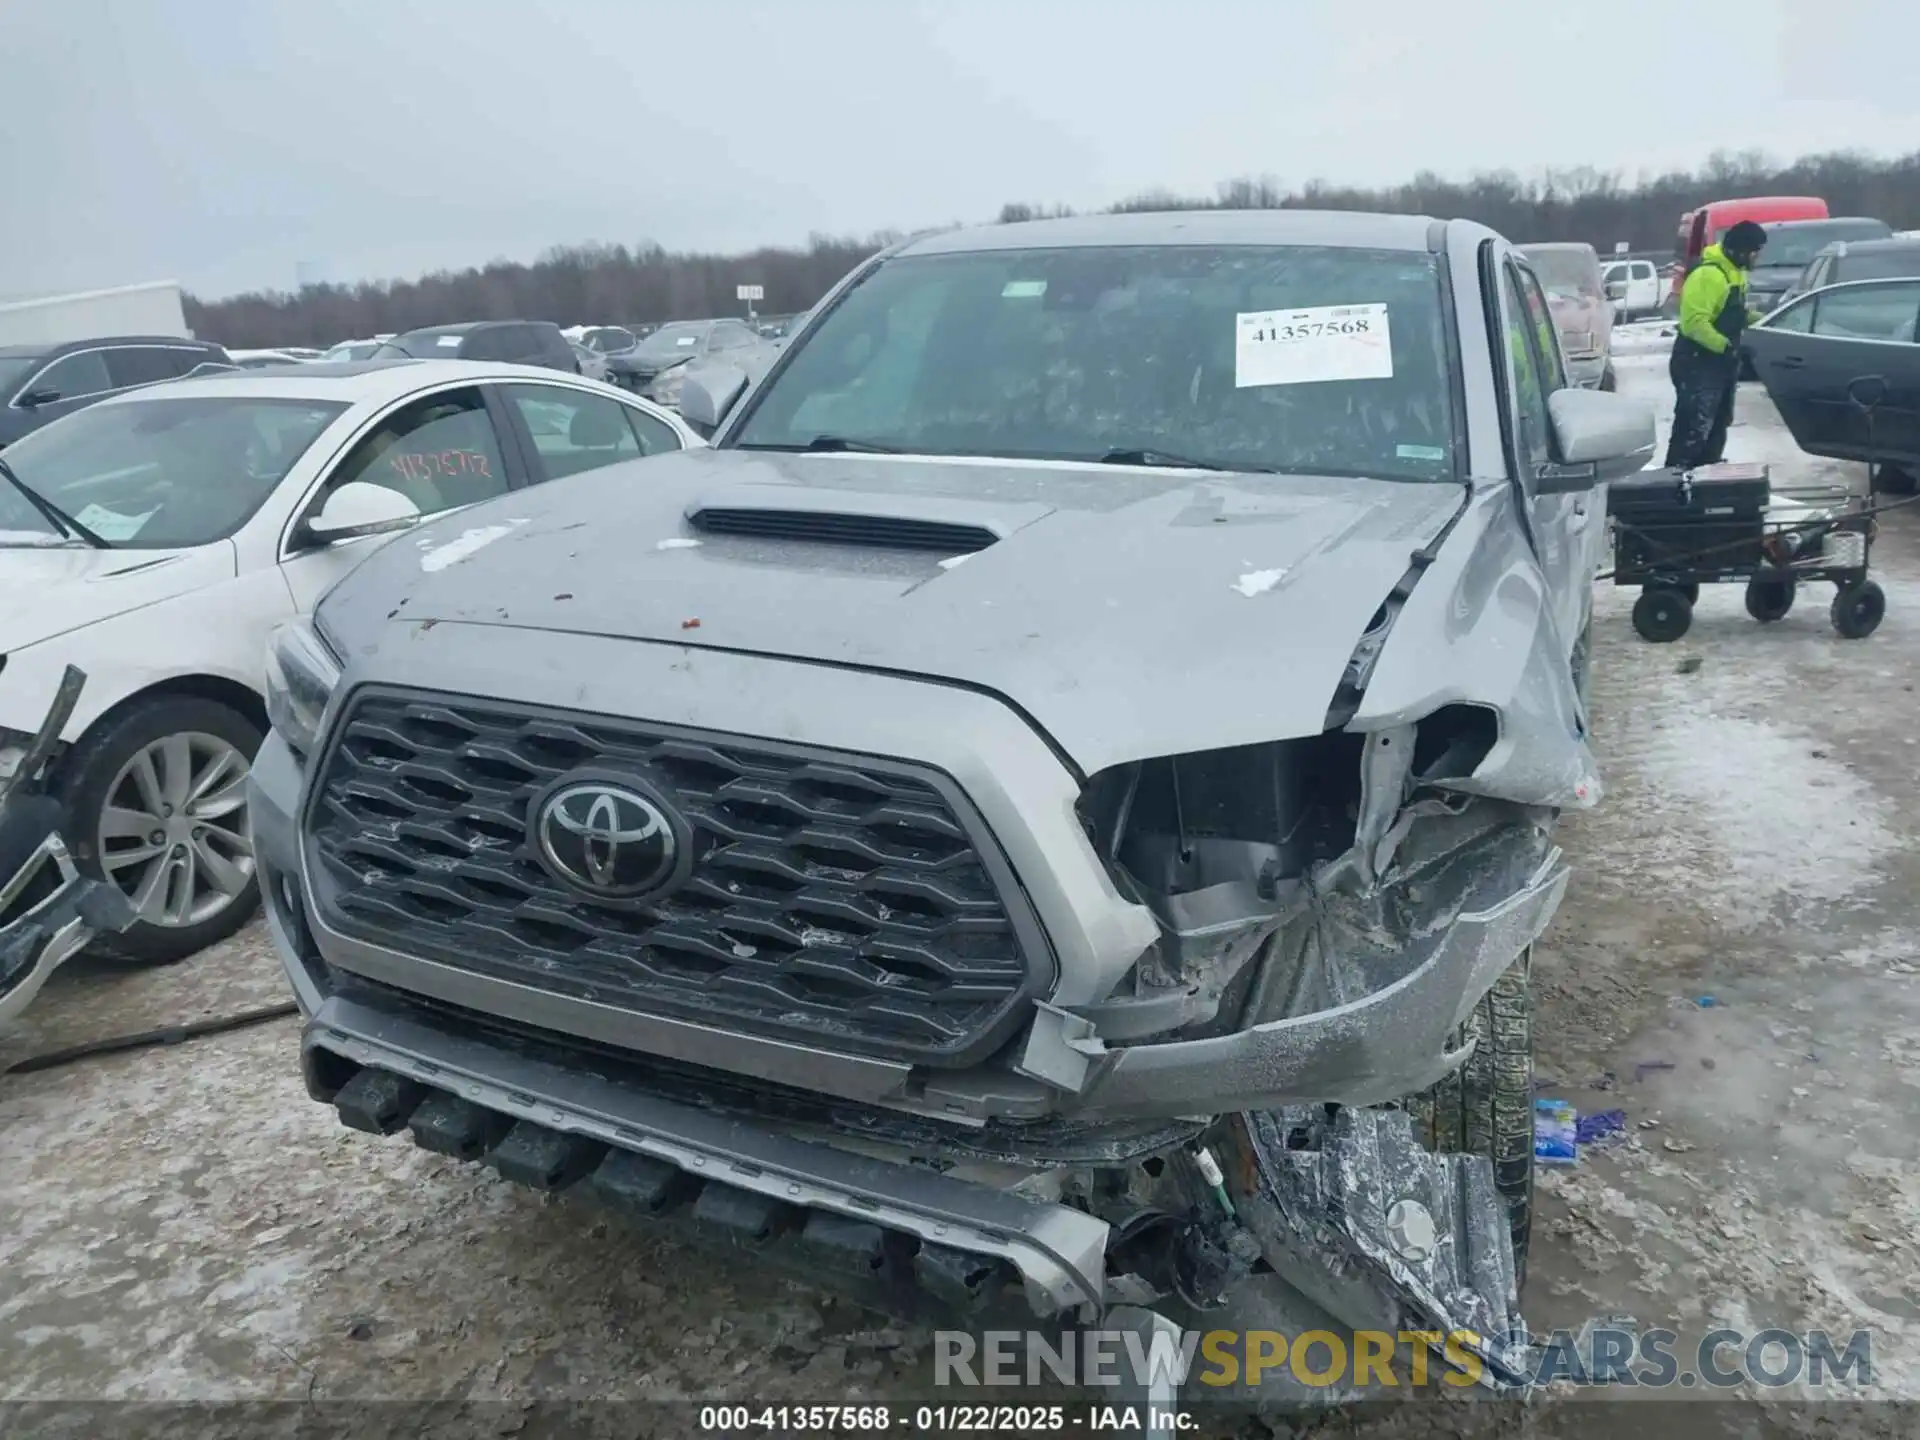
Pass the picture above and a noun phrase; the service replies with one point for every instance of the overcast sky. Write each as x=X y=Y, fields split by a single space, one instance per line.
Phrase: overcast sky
x=226 y=143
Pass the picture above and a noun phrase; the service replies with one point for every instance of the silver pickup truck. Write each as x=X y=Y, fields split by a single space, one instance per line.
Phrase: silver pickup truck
x=1051 y=809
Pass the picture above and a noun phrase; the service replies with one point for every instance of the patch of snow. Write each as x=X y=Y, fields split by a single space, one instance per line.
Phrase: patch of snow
x=678 y=542
x=953 y=560
x=1258 y=582
x=471 y=541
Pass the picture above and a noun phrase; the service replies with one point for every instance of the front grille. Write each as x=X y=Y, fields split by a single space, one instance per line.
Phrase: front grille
x=834 y=899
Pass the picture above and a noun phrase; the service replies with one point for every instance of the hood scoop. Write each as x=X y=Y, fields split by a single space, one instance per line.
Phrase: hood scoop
x=950 y=526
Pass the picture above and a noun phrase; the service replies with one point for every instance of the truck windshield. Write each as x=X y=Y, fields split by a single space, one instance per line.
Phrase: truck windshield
x=1271 y=358
x=1567 y=274
x=161 y=473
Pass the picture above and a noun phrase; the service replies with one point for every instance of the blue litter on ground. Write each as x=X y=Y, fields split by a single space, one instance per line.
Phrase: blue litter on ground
x=1592 y=1129
x=1706 y=1002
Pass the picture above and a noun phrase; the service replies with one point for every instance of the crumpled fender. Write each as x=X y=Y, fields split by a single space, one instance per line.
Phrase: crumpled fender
x=1478 y=630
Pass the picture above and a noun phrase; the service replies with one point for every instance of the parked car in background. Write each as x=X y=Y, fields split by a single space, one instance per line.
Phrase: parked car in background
x=515 y=342
x=1570 y=274
x=1790 y=251
x=1842 y=366
x=303 y=352
x=656 y=366
x=607 y=339
x=1889 y=259
x=350 y=350
x=592 y=363
x=262 y=359
x=41 y=383
x=169 y=529
x=1633 y=287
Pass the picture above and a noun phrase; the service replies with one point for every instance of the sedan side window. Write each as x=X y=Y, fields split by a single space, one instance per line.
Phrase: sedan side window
x=575 y=431
x=1797 y=317
x=656 y=437
x=439 y=452
x=141 y=365
x=72 y=376
x=1873 y=312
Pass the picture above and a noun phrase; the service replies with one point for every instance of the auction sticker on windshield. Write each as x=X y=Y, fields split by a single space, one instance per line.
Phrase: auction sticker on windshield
x=1325 y=342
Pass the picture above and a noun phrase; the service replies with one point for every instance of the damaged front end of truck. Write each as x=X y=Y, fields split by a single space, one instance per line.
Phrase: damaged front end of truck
x=1249 y=974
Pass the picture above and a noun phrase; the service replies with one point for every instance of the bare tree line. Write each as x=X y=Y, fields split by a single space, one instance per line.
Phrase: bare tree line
x=615 y=283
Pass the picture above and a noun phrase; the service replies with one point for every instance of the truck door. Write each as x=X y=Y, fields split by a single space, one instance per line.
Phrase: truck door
x=1568 y=529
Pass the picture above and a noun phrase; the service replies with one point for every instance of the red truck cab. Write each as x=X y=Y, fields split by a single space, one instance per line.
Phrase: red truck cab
x=1703 y=227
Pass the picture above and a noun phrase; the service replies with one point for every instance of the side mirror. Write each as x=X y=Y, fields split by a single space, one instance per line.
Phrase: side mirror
x=1597 y=436
x=358 y=509
x=709 y=392
x=33 y=398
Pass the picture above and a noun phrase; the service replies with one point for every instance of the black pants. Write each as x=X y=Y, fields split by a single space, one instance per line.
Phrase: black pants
x=1703 y=391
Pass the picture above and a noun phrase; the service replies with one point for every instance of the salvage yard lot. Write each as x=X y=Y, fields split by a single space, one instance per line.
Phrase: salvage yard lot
x=1735 y=968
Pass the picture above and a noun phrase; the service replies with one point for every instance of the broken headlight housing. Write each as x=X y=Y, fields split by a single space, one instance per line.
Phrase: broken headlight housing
x=302 y=671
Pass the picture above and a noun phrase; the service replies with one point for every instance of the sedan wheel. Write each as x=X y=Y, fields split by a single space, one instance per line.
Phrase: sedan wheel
x=156 y=799
x=174 y=835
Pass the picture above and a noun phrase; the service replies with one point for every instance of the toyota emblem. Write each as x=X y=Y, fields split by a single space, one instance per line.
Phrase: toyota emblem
x=605 y=839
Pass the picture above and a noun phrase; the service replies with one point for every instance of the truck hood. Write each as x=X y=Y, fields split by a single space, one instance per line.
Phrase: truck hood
x=1127 y=612
x=45 y=593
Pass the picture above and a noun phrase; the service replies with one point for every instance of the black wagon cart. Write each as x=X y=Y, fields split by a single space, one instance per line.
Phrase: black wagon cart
x=1725 y=525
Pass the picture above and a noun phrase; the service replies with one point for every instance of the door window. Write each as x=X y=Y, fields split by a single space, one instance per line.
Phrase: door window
x=72 y=376
x=574 y=431
x=1873 y=312
x=439 y=452
x=656 y=437
x=141 y=365
x=1525 y=365
x=1797 y=317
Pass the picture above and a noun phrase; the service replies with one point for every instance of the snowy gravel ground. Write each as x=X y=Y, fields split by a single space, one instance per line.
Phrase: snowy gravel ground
x=183 y=1224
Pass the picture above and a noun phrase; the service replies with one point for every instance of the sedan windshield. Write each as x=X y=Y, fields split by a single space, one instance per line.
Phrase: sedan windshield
x=161 y=473
x=671 y=341
x=1280 y=358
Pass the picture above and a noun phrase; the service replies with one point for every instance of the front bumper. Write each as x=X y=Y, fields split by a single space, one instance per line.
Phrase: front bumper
x=1386 y=1036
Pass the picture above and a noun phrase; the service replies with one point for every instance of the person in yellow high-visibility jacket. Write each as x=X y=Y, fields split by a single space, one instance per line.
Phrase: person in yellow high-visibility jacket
x=1705 y=364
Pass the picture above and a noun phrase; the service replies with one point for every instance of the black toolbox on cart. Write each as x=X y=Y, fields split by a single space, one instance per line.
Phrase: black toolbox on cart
x=1669 y=525
x=1713 y=492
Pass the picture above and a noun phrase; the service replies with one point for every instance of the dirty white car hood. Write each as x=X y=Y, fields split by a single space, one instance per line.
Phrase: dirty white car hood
x=1128 y=612
x=50 y=591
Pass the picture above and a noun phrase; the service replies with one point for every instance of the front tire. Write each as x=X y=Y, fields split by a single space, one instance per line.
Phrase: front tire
x=156 y=805
x=1486 y=1106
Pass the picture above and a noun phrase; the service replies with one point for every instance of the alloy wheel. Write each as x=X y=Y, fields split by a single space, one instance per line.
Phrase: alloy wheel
x=174 y=833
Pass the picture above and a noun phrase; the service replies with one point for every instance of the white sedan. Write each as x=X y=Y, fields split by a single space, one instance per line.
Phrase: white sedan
x=154 y=539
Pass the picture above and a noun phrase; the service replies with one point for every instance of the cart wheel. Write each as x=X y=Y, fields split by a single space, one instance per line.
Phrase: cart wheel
x=1858 y=609
x=1691 y=590
x=1769 y=599
x=1662 y=615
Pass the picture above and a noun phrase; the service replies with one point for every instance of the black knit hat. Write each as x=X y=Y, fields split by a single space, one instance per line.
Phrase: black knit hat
x=1745 y=238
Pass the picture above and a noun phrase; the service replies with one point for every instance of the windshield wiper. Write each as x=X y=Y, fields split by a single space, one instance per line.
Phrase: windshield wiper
x=844 y=444
x=1168 y=459
x=55 y=516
